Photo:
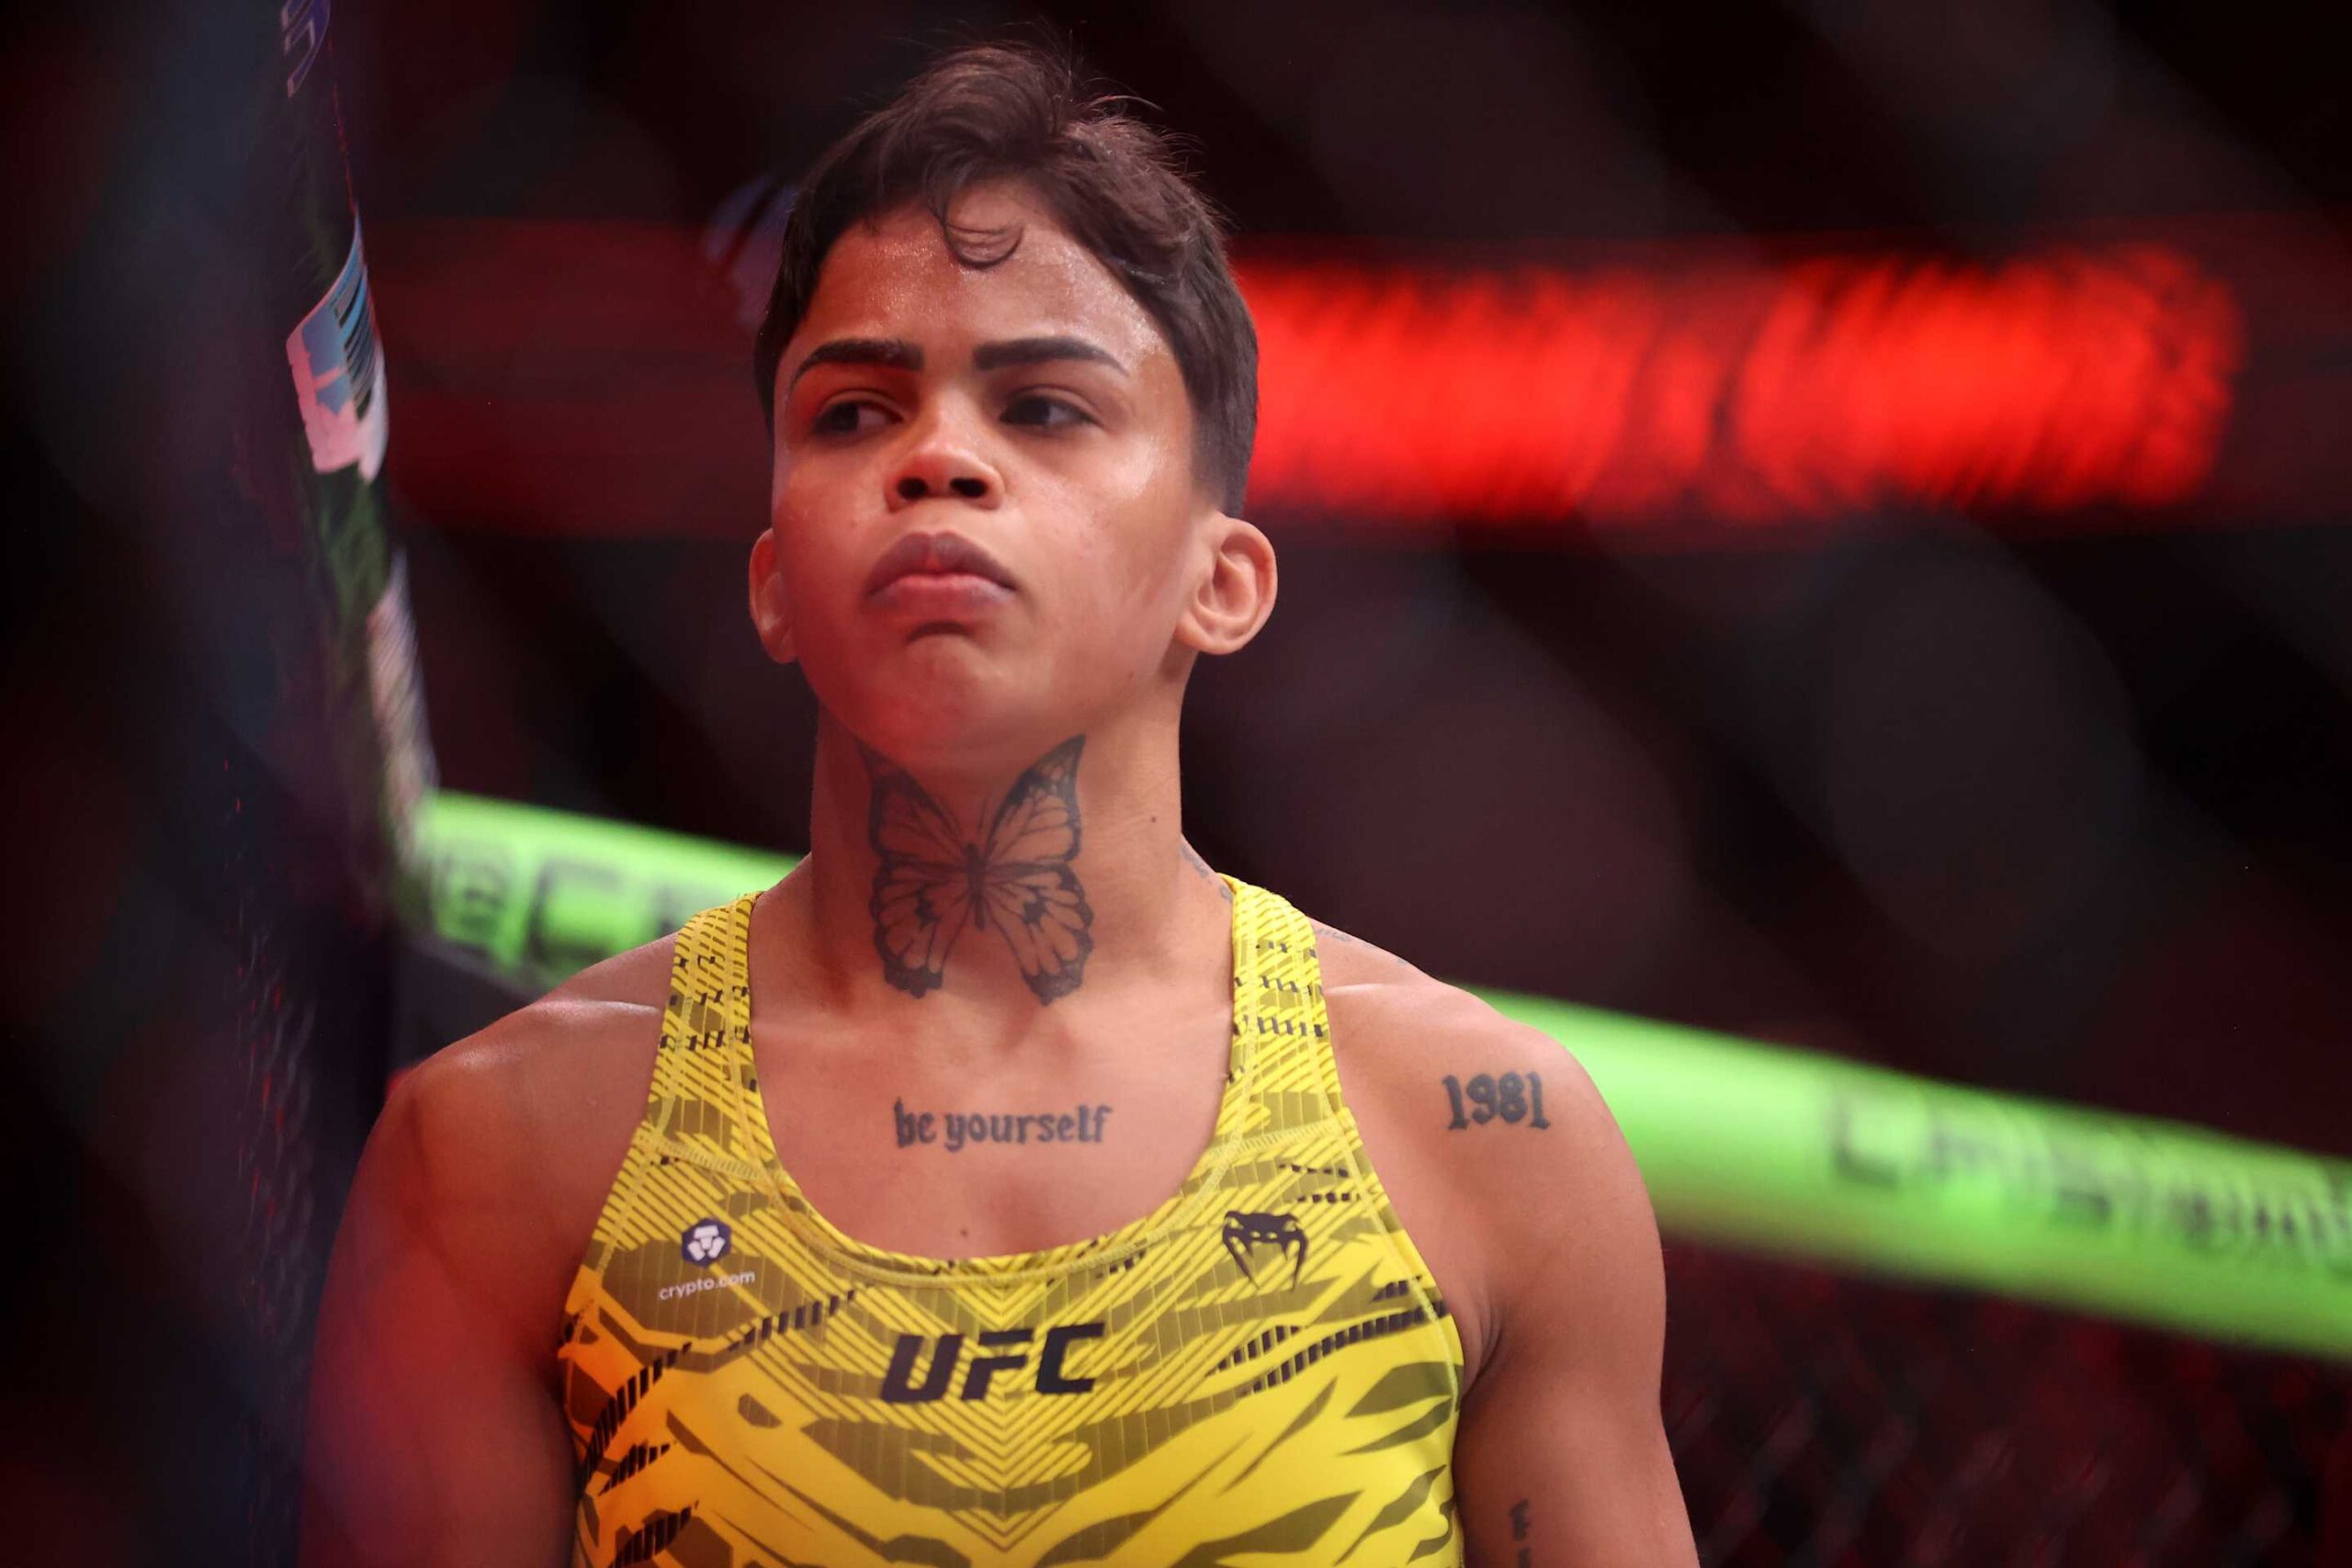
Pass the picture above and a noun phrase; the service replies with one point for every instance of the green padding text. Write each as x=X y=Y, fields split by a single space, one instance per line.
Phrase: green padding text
x=1750 y=1144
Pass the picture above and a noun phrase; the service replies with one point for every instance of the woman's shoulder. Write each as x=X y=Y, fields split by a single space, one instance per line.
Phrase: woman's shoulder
x=538 y=1107
x=533 y=1072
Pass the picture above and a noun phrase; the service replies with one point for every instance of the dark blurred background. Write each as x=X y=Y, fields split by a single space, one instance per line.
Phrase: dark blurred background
x=1949 y=757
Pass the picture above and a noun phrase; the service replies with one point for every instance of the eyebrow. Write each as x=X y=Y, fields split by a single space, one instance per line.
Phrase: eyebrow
x=898 y=353
x=1038 y=351
x=894 y=352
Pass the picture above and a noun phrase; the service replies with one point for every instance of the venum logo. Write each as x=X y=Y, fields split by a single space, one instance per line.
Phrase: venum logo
x=1004 y=1350
x=1244 y=1232
x=706 y=1241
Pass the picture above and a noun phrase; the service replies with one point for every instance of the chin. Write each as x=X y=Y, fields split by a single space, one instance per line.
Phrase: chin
x=943 y=701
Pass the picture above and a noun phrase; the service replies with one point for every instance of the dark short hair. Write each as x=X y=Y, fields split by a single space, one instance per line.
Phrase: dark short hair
x=990 y=110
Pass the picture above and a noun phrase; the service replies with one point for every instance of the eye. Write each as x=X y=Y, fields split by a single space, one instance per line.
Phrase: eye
x=1032 y=408
x=831 y=419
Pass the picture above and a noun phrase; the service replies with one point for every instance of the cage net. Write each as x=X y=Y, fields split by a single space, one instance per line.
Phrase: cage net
x=1828 y=1421
x=273 y=1002
x=330 y=752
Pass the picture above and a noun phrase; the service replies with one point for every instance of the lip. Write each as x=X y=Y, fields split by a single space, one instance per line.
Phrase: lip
x=926 y=564
x=939 y=595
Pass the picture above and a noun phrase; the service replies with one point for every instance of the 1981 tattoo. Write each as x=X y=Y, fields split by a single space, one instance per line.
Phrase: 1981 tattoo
x=1512 y=1099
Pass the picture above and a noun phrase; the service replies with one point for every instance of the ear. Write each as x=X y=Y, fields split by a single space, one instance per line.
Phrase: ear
x=770 y=615
x=1234 y=596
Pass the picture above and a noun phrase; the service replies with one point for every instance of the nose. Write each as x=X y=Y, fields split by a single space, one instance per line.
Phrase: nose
x=941 y=461
x=914 y=486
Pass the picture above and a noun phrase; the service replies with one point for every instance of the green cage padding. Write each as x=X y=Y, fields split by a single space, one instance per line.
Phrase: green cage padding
x=1749 y=1145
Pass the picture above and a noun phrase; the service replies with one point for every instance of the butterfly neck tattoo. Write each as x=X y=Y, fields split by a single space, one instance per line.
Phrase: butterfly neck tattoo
x=934 y=878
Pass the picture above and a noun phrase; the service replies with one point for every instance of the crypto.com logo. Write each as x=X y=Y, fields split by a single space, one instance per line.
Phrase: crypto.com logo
x=706 y=1241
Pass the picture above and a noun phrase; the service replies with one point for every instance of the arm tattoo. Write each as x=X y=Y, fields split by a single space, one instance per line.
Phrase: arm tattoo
x=932 y=878
x=1510 y=1099
x=1525 y=1555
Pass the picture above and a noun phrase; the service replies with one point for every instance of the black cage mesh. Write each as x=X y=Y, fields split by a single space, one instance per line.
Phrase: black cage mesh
x=1823 y=1420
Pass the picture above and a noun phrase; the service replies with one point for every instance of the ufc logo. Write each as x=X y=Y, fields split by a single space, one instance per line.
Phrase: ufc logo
x=1001 y=1350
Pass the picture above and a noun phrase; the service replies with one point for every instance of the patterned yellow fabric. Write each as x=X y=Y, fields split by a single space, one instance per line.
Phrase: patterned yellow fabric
x=1260 y=1372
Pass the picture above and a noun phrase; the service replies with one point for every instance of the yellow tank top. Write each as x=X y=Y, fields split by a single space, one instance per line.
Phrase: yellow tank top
x=1260 y=1371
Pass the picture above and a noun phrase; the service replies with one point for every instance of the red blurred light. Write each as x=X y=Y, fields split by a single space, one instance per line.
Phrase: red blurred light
x=2078 y=378
x=589 y=379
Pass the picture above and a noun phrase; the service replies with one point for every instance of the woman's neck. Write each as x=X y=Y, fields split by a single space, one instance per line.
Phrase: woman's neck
x=1005 y=889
